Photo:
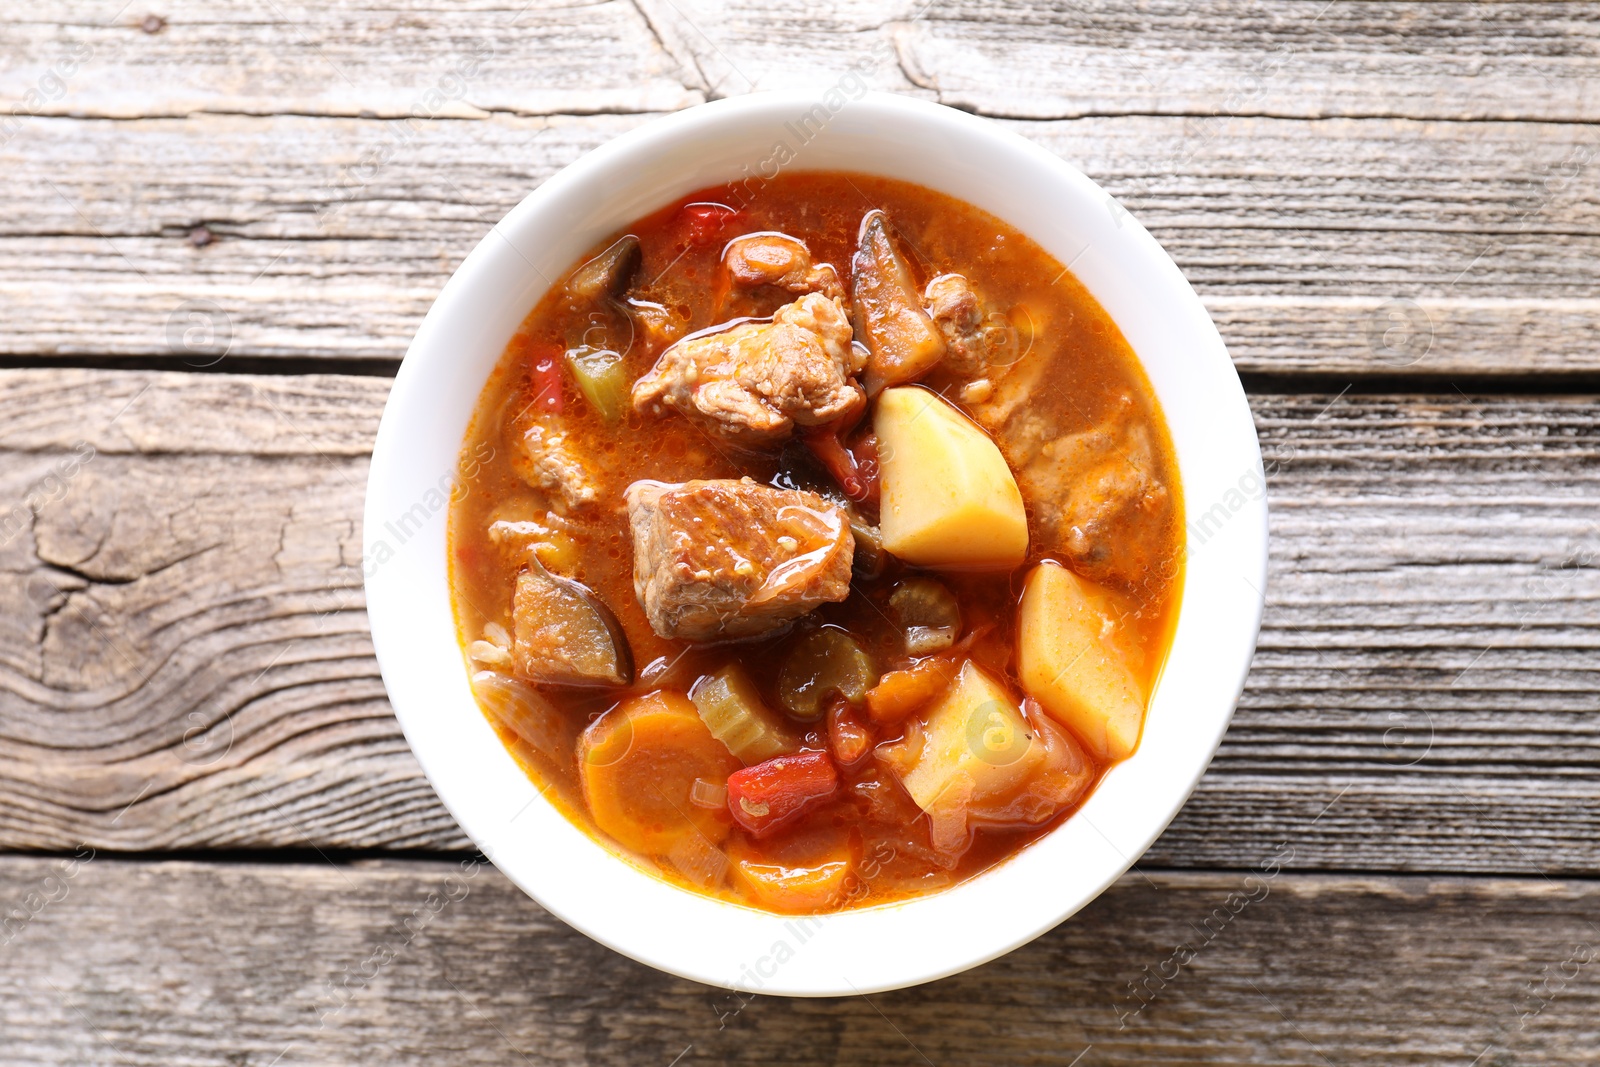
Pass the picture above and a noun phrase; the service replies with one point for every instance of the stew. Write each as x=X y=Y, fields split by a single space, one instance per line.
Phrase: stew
x=817 y=548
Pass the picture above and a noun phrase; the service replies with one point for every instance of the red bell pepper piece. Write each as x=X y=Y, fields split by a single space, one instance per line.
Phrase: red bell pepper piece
x=769 y=795
x=707 y=221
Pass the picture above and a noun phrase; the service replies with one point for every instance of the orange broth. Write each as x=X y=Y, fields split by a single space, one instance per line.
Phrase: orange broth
x=1085 y=361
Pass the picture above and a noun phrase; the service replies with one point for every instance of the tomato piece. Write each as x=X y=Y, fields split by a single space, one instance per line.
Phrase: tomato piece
x=545 y=372
x=706 y=221
x=899 y=693
x=865 y=452
x=850 y=741
x=838 y=461
x=769 y=795
x=854 y=467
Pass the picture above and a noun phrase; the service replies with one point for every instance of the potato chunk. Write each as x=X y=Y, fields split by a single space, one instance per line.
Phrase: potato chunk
x=977 y=745
x=949 y=499
x=1069 y=659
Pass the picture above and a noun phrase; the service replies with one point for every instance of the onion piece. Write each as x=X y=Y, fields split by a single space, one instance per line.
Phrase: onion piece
x=488 y=654
x=521 y=709
x=713 y=795
x=699 y=860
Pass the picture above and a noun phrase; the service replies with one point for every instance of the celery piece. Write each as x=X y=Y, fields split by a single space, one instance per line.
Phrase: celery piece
x=601 y=378
x=732 y=710
x=822 y=663
x=928 y=613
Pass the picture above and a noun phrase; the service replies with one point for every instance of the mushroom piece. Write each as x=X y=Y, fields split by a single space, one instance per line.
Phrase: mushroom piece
x=609 y=273
x=903 y=342
x=563 y=634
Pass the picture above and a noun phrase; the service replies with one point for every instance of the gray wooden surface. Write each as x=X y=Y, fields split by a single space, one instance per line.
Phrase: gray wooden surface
x=220 y=232
x=404 y=962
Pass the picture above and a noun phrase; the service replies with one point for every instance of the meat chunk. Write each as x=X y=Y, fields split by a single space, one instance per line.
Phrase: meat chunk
x=953 y=305
x=753 y=383
x=1100 y=497
x=521 y=529
x=781 y=261
x=974 y=345
x=902 y=339
x=655 y=324
x=545 y=458
x=733 y=558
x=562 y=634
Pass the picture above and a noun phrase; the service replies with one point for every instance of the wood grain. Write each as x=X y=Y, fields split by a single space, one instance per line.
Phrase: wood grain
x=229 y=964
x=184 y=660
x=378 y=59
x=1300 y=58
x=1336 y=247
x=1355 y=188
x=1307 y=59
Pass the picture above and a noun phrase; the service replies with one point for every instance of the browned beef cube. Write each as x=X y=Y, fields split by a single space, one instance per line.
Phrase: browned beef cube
x=755 y=382
x=546 y=456
x=715 y=559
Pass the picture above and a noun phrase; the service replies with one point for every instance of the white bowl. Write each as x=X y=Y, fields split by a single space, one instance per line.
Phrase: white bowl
x=426 y=419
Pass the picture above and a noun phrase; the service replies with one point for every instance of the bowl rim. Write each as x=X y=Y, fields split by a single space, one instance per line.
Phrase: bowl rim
x=685 y=933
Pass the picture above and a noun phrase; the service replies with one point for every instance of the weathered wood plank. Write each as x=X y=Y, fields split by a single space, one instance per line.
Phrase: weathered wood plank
x=405 y=962
x=146 y=413
x=1309 y=59
x=383 y=58
x=184 y=660
x=1301 y=58
x=1335 y=247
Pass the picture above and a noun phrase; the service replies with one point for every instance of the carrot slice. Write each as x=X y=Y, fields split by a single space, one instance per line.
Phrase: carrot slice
x=811 y=872
x=899 y=693
x=638 y=764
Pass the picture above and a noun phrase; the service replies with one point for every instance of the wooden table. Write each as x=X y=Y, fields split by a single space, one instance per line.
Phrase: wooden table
x=223 y=224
